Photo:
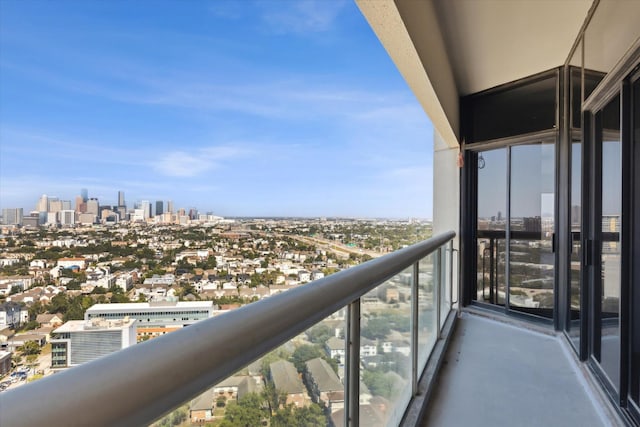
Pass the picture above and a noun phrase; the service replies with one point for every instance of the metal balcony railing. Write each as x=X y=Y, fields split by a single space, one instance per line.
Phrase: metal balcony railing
x=137 y=385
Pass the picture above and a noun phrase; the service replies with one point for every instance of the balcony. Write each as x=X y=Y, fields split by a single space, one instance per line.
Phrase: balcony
x=535 y=379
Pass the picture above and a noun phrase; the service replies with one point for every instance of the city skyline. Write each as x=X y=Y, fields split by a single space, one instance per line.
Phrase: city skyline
x=243 y=109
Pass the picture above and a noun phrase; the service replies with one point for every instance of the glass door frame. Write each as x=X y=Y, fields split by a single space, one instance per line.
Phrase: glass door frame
x=592 y=232
x=472 y=152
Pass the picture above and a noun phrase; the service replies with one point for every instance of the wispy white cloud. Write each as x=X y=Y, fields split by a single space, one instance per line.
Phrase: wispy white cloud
x=196 y=162
x=302 y=16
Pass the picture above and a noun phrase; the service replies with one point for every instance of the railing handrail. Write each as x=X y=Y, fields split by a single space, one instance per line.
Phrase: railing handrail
x=137 y=385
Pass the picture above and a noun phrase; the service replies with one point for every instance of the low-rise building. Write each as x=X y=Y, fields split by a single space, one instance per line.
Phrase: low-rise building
x=79 y=263
x=80 y=341
x=5 y=362
x=13 y=314
x=167 y=314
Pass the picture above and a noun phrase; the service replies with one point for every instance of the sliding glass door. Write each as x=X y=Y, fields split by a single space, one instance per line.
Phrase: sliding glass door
x=515 y=228
x=531 y=228
x=607 y=239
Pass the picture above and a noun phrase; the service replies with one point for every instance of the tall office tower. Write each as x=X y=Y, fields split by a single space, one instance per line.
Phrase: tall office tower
x=12 y=216
x=67 y=217
x=193 y=213
x=55 y=205
x=85 y=194
x=170 y=206
x=81 y=206
x=43 y=204
x=121 y=198
x=93 y=207
x=159 y=210
x=66 y=205
x=145 y=205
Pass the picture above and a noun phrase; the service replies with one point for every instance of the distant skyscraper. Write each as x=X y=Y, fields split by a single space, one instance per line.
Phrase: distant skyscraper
x=43 y=204
x=12 y=216
x=55 y=205
x=159 y=210
x=81 y=206
x=121 y=198
x=85 y=194
x=93 y=207
x=67 y=217
x=170 y=206
x=66 y=205
x=145 y=205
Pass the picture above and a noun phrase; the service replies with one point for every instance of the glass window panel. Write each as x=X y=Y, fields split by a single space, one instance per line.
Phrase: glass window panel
x=605 y=44
x=385 y=351
x=311 y=369
x=491 y=226
x=531 y=260
x=610 y=242
x=427 y=314
x=522 y=108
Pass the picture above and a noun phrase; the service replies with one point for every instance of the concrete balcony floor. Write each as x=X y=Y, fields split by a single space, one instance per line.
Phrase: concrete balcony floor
x=498 y=374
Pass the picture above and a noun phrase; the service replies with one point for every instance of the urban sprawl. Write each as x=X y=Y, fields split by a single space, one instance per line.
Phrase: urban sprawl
x=78 y=283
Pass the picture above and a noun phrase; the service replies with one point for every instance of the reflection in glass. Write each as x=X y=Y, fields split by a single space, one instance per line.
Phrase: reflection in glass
x=491 y=226
x=610 y=243
x=531 y=259
x=385 y=351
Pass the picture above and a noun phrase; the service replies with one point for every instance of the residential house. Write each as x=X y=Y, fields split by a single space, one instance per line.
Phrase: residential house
x=201 y=408
x=13 y=314
x=286 y=379
x=334 y=347
x=323 y=384
x=50 y=320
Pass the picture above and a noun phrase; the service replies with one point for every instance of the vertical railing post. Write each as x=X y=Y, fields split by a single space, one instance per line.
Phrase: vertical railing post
x=352 y=360
x=437 y=279
x=414 y=330
x=457 y=300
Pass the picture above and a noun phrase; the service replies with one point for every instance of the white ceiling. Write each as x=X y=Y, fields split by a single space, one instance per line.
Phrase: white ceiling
x=490 y=42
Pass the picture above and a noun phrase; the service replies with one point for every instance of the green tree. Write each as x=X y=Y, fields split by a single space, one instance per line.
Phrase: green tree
x=378 y=383
x=35 y=309
x=274 y=397
x=29 y=348
x=309 y=416
x=319 y=334
x=289 y=415
x=58 y=304
x=376 y=328
x=247 y=412
x=304 y=353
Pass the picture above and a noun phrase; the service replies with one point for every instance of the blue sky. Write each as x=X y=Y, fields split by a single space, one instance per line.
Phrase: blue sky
x=240 y=108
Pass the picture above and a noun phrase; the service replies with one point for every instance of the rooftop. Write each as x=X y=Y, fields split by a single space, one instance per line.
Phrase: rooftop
x=94 y=325
x=147 y=306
